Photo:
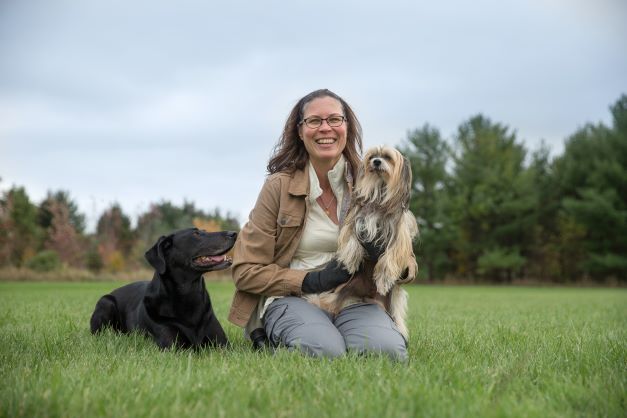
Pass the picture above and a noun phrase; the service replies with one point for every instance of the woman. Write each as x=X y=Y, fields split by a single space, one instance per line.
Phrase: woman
x=293 y=230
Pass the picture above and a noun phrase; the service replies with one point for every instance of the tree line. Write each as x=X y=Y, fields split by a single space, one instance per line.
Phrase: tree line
x=489 y=209
x=50 y=235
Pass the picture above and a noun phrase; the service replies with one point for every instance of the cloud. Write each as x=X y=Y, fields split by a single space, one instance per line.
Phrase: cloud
x=138 y=101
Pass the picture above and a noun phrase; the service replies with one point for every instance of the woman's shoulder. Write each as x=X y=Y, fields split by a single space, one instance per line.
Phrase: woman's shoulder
x=286 y=183
x=280 y=176
x=277 y=180
x=275 y=183
x=285 y=178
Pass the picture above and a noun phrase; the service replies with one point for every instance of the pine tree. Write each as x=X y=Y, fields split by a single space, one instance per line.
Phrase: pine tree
x=428 y=156
x=493 y=201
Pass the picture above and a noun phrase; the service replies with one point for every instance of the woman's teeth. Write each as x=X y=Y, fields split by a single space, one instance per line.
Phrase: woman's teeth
x=325 y=141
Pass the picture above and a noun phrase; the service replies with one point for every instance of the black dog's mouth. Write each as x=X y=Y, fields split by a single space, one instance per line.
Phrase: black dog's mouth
x=212 y=262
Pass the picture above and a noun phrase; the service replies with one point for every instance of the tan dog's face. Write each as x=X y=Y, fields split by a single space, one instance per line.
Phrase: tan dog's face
x=385 y=177
x=383 y=163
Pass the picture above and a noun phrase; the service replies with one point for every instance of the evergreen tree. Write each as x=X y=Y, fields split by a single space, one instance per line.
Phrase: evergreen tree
x=428 y=156
x=20 y=235
x=493 y=201
x=44 y=216
x=544 y=255
x=593 y=179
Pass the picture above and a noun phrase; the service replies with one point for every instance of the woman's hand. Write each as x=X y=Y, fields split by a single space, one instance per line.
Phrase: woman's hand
x=331 y=276
x=374 y=250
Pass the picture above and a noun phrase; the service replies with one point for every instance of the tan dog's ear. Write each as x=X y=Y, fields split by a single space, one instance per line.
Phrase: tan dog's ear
x=406 y=181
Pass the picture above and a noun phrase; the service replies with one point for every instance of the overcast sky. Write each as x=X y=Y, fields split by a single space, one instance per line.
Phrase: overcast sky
x=138 y=101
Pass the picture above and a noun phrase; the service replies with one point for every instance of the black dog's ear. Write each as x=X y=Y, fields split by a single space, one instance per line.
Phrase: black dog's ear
x=156 y=254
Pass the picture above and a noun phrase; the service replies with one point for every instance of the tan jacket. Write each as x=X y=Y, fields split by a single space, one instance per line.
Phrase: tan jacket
x=266 y=244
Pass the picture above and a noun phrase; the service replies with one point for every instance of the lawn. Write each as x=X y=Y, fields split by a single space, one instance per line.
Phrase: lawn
x=474 y=351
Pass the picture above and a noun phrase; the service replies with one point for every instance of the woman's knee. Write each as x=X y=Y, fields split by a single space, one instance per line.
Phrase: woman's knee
x=319 y=344
x=368 y=329
x=298 y=325
x=393 y=347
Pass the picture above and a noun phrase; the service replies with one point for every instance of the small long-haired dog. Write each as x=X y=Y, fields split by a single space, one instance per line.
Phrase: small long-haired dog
x=379 y=215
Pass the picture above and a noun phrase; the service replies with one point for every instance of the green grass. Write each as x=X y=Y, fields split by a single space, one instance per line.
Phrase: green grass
x=474 y=351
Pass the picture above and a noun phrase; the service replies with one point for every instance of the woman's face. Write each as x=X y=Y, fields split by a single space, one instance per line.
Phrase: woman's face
x=325 y=143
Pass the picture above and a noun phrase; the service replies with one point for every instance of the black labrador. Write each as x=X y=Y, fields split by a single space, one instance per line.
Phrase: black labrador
x=174 y=307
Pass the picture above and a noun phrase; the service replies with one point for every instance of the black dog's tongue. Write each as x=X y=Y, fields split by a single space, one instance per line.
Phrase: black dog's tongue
x=208 y=260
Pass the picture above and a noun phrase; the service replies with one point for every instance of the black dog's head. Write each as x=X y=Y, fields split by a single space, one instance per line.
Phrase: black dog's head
x=192 y=249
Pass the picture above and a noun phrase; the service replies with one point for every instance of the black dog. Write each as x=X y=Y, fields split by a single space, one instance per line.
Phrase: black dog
x=173 y=308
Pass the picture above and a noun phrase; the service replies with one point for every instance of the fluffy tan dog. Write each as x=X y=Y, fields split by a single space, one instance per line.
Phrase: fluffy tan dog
x=379 y=215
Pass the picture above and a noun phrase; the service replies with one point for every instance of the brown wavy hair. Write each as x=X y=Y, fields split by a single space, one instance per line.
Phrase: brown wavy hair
x=289 y=153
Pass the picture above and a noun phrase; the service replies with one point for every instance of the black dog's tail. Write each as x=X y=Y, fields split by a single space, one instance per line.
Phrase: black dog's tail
x=105 y=314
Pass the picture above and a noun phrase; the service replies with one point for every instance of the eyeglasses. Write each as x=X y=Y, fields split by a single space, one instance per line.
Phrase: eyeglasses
x=314 y=122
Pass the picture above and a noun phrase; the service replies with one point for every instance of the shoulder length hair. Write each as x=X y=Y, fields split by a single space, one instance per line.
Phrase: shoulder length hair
x=289 y=153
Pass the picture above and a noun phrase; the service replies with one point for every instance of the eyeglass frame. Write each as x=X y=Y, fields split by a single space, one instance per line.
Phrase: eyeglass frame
x=344 y=119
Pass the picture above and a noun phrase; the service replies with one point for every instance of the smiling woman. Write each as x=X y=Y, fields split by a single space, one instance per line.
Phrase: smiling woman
x=323 y=133
x=288 y=246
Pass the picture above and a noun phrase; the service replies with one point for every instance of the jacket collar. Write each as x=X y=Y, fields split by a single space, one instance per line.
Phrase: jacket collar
x=299 y=186
x=336 y=177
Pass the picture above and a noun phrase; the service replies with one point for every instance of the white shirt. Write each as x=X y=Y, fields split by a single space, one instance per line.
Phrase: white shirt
x=318 y=242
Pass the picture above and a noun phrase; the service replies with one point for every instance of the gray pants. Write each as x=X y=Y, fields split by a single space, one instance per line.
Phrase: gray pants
x=364 y=328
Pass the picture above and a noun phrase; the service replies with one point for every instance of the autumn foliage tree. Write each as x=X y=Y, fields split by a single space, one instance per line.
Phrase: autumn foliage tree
x=62 y=236
x=114 y=238
x=60 y=197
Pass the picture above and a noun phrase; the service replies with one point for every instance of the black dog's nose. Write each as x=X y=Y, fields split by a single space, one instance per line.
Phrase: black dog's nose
x=231 y=234
x=376 y=162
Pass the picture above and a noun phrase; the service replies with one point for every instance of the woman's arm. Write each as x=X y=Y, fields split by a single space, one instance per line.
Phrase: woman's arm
x=254 y=270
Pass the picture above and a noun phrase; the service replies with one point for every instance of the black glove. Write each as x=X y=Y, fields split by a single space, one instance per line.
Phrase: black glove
x=333 y=275
x=373 y=250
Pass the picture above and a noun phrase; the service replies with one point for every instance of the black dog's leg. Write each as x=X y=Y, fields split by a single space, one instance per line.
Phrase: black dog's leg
x=105 y=314
x=165 y=340
x=216 y=335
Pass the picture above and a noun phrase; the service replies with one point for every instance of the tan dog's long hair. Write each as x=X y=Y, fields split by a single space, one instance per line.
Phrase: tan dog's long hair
x=379 y=214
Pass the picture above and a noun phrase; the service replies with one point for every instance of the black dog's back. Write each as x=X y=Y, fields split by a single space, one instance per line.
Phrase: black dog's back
x=119 y=308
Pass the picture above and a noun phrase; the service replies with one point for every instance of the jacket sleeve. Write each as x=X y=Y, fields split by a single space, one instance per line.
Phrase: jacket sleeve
x=254 y=270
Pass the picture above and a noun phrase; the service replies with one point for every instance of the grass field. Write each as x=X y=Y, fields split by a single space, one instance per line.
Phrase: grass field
x=475 y=351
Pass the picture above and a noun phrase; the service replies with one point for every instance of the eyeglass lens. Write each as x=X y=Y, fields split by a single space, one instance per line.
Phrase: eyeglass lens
x=316 y=122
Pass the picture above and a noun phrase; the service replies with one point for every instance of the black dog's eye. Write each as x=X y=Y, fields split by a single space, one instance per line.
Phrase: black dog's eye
x=196 y=233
